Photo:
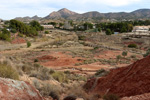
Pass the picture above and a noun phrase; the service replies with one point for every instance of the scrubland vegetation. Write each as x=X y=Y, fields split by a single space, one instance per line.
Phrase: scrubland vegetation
x=59 y=62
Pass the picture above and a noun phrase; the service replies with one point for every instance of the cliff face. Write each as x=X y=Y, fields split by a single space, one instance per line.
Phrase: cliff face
x=17 y=90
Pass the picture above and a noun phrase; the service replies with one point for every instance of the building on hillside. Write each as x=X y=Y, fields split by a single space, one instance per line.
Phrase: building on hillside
x=48 y=26
x=141 y=29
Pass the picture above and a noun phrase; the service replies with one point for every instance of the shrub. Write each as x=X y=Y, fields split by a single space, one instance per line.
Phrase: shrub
x=7 y=71
x=26 y=68
x=5 y=35
x=101 y=72
x=19 y=34
x=50 y=90
x=132 y=46
x=36 y=60
x=28 y=44
x=70 y=97
x=13 y=31
x=124 y=53
x=54 y=96
x=67 y=72
x=60 y=76
x=147 y=53
x=95 y=48
x=82 y=37
x=46 y=32
x=42 y=74
x=108 y=32
x=133 y=56
x=111 y=97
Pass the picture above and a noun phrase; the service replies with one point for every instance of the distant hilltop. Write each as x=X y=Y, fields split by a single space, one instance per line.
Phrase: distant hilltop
x=70 y=15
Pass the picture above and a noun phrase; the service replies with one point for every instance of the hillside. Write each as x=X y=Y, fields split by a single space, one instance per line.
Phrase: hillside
x=65 y=13
x=70 y=15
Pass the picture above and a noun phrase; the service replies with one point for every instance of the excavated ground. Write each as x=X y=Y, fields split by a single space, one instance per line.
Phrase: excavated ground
x=126 y=81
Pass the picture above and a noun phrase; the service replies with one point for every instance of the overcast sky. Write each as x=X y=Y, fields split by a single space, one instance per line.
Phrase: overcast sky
x=19 y=8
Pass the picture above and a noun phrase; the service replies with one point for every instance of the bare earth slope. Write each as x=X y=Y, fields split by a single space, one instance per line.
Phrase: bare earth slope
x=126 y=81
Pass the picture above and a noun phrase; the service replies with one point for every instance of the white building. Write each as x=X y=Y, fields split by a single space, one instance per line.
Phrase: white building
x=141 y=29
x=48 y=26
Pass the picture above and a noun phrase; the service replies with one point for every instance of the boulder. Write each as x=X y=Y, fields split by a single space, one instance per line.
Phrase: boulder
x=18 y=90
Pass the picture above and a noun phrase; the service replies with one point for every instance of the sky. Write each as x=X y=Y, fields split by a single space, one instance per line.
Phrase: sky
x=10 y=9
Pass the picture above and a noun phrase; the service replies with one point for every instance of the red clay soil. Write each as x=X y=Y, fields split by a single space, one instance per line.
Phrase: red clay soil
x=47 y=58
x=58 y=59
x=126 y=81
x=132 y=42
x=18 y=41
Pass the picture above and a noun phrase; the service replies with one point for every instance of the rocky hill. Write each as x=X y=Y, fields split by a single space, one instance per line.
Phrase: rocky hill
x=65 y=13
x=26 y=19
x=70 y=15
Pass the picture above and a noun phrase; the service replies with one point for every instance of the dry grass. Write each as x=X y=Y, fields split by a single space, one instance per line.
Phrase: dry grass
x=6 y=71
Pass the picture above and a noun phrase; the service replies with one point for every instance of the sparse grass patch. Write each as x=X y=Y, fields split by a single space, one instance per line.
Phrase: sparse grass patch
x=60 y=76
x=50 y=89
x=6 y=71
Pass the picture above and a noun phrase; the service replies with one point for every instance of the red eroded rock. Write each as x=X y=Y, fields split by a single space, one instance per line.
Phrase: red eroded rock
x=17 y=90
x=126 y=81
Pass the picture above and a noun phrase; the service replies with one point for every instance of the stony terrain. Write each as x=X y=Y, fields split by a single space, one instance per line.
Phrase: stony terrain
x=60 y=64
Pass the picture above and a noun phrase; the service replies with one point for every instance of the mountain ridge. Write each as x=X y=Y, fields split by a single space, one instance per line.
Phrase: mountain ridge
x=71 y=15
x=67 y=14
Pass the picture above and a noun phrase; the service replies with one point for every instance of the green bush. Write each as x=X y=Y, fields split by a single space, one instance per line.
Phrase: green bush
x=36 y=60
x=46 y=32
x=28 y=44
x=124 y=53
x=118 y=57
x=21 y=35
x=111 y=97
x=13 y=31
x=5 y=35
x=82 y=37
x=28 y=30
x=132 y=46
x=101 y=72
x=7 y=71
x=108 y=32
x=147 y=53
